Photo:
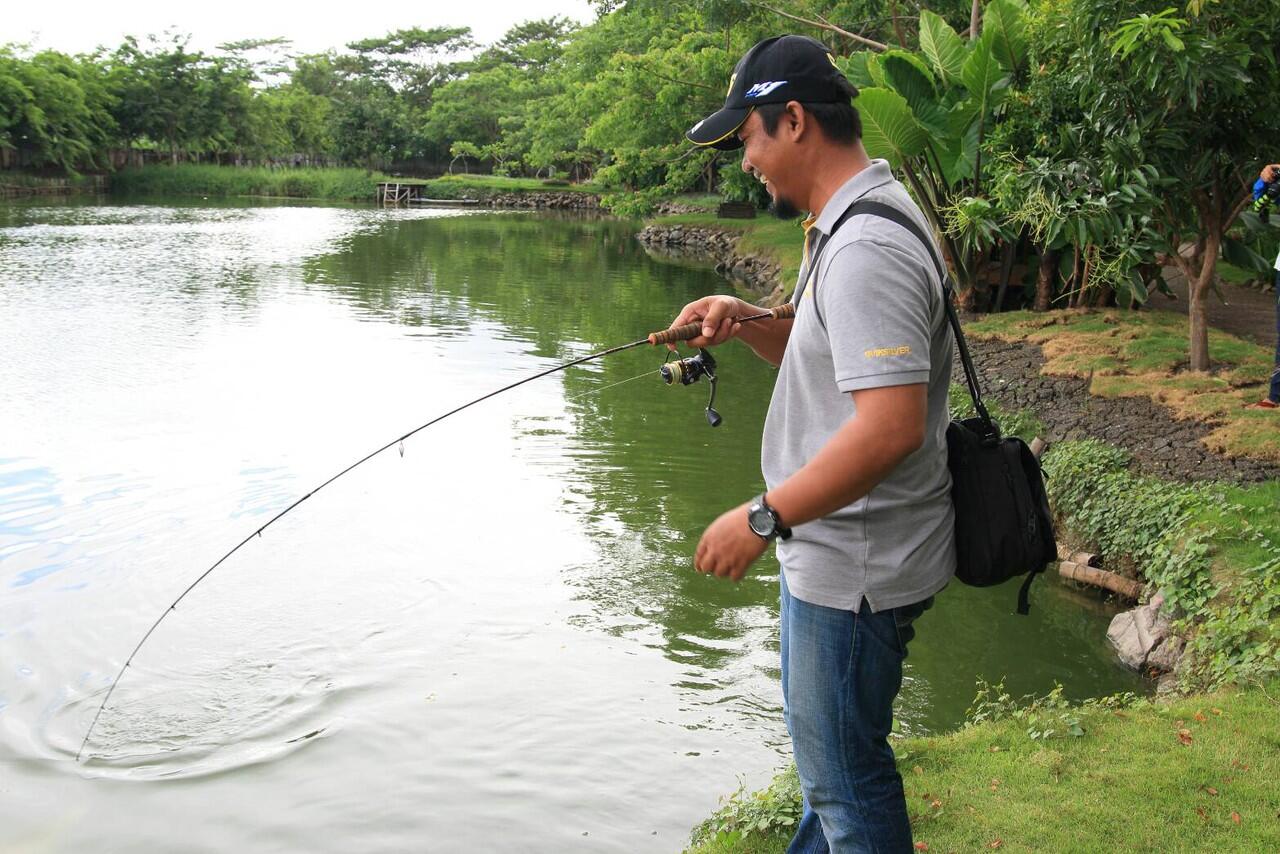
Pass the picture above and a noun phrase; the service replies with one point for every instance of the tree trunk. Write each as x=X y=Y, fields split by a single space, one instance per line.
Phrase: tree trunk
x=897 y=24
x=975 y=19
x=1197 y=299
x=1073 y=285
x=1104 y=295
x=1006 y=272
x=1199 y=329
x=1044 y=278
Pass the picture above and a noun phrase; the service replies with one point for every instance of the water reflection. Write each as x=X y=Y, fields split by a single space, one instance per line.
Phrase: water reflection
x=505 y=619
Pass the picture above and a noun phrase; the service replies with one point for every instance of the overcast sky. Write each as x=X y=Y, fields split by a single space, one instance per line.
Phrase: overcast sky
x=75 y=26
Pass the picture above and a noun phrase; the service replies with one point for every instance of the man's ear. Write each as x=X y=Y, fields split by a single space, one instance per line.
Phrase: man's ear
x=797 y=121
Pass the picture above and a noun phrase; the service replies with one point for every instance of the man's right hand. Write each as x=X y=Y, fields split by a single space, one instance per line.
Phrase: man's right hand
x=718 y=315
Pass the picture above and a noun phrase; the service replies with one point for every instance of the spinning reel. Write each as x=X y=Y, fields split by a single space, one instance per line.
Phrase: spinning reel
x=689 y=371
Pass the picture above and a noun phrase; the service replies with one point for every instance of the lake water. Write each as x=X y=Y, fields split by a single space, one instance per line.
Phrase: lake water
x=493 y=642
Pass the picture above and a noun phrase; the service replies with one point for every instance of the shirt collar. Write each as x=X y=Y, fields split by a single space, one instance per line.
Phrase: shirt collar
x=875 y=175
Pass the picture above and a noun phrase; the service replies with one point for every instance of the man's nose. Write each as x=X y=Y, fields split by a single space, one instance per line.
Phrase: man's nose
x=746 y=163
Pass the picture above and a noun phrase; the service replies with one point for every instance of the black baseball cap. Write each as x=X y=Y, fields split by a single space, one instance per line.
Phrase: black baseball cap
x=776 y=70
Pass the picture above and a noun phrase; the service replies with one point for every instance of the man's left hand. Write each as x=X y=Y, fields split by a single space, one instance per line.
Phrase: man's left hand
x=729 y=546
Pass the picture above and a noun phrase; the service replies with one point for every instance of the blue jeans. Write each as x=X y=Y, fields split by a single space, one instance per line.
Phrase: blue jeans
x=1274 y=396
x=840 y=674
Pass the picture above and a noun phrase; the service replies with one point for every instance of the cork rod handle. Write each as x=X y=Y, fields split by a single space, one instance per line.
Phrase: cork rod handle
x=693 y=330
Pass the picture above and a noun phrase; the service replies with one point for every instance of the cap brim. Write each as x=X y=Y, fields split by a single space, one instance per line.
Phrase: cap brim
x=720 y=129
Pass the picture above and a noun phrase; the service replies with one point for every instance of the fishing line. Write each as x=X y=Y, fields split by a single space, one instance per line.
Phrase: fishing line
x=680 y=333
x=647 y=373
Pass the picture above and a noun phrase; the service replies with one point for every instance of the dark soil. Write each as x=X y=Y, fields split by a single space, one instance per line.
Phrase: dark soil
x=1161 y=446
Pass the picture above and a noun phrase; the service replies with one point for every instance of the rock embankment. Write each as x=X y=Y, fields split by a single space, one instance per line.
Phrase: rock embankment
x=755 y=273
x=1161 y=446
x=544 y=201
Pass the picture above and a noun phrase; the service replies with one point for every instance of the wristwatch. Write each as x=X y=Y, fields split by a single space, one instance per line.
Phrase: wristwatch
x=765 y=522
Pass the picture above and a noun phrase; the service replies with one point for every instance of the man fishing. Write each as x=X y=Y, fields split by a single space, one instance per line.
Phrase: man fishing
x=854 y=453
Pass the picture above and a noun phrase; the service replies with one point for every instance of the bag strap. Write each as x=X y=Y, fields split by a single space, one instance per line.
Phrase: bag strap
x=864 y=206
x=1024 y=592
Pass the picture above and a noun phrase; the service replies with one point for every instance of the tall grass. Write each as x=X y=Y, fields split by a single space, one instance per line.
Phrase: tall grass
x=192 y=179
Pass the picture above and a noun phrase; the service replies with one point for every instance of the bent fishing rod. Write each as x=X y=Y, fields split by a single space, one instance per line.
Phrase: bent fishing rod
x=681 y=371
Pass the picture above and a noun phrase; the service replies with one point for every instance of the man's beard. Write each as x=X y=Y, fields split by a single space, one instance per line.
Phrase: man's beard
x=783 y=208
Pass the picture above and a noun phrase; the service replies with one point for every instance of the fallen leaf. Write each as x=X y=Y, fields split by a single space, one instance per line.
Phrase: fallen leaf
x=927 y=797
x=1235 y=816
x=920 y=846
x=996 y=843
x=934 y=804
x=994 y=748
x=917 y=770
x=1184 y=736
x=1211 y=790
x=1200 y=812
x=995 y=788
x=1236 y=763
x=1200 y=717
x=1216 y=711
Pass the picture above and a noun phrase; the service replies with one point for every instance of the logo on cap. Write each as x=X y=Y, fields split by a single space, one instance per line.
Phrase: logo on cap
x=761 y=89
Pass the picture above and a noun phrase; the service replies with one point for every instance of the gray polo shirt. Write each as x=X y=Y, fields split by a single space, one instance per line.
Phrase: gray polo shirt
x=872 y=316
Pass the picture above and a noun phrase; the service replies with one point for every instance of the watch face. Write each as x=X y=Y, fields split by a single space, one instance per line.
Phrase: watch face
x=760 y=520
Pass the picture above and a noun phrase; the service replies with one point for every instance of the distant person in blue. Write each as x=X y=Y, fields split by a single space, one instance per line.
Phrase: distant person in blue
x=1270 y=176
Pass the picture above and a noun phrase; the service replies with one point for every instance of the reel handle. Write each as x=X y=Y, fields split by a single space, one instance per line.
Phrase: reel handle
x=693 y=330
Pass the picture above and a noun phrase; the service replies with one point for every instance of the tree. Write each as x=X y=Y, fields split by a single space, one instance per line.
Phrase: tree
x=55 y=106
x=1195 y=91
x=928 y=113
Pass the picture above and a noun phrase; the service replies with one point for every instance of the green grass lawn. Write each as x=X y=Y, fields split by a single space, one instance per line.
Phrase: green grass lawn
x=1197 y=775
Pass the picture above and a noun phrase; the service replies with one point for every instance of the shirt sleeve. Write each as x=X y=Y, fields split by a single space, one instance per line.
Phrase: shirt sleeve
x=874 y=300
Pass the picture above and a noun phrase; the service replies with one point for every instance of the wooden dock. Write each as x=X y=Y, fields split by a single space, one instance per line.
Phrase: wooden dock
x=394 y=194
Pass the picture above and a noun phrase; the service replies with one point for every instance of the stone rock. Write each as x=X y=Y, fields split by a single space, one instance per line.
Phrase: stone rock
x=1123 y=636
x=1134 y=634
x=564 y=200
x=1165 y=657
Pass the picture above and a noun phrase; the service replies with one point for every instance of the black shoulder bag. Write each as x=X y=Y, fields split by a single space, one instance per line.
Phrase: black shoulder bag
x=1003 y=525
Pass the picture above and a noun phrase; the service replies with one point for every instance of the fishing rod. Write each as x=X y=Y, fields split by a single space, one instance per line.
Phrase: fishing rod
x=681 y=371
